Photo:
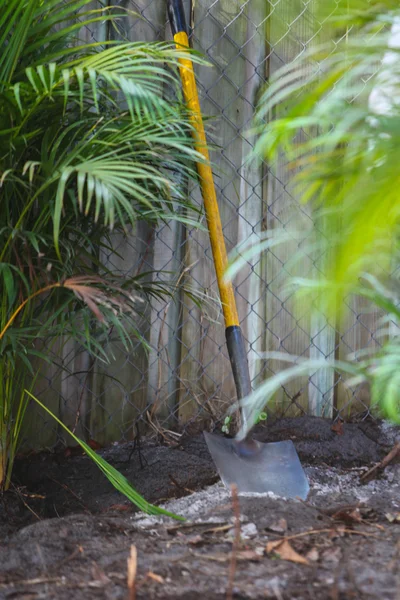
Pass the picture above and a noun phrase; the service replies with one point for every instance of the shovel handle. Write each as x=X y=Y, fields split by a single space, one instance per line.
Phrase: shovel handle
x=234 y=336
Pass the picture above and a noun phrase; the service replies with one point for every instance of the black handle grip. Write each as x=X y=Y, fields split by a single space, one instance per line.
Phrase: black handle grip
x=238 y=358
x=176 y=16
x=240 y=368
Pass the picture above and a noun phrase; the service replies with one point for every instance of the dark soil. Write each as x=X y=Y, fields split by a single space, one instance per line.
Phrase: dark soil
x=66 y=533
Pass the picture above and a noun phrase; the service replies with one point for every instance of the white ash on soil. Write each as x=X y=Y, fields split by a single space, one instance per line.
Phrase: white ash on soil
x=329 y=486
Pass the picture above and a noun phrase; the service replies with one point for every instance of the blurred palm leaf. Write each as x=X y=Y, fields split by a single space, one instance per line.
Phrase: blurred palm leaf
x=342 y=146
x=334 y=114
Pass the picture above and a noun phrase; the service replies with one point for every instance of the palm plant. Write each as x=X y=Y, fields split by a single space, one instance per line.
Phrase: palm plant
x=334 y=114
x=90 y=144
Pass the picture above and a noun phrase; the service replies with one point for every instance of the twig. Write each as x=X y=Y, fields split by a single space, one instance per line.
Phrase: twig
x=222 y=528
x=175 y=528
x=159 y=430
x=236 y=542
x=334 y=591
x=67 y=489
x=149 y=576
x=36 y=581
x=137 y=444
x=179 y=486
x=331 y=514
x=20 y=496
x=131 y=573
x=78 y=551
x=331 y=530
x=395 y=451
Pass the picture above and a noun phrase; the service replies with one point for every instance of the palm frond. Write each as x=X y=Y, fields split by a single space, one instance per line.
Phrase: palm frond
x=335 y=117
x=94 y=136
x=115 y=477
x=342 y=150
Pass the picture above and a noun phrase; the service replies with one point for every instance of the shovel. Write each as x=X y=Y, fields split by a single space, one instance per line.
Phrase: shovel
x=253 y=466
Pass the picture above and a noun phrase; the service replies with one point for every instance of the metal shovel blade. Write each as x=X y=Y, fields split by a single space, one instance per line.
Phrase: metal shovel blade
x=273 y=467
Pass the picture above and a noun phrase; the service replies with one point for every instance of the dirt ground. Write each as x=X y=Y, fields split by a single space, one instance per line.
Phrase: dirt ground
x=66 y=533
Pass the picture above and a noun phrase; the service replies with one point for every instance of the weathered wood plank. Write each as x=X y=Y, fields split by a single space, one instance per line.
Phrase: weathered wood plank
x=39 y=430
x=187 y=373
x=64 y=392
x=251 y=280
x=164 y=355
x=119 y=393
x=123 y=390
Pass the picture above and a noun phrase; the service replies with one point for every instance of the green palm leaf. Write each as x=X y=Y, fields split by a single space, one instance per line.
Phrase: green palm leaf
x=343 y=152
x=114 y=477
x=94 y=137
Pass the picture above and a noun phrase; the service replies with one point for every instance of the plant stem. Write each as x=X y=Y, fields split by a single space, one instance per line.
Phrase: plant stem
x=21 y=306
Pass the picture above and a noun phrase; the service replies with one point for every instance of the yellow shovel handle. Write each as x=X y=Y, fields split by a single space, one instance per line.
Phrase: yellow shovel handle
x=207 y=184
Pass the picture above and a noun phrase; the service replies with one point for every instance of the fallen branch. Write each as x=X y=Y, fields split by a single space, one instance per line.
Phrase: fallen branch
x=325 y=530
x=371 y=473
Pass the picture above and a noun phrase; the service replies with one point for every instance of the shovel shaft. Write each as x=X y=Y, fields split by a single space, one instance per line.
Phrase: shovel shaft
x=207 y=185
x=234 y=336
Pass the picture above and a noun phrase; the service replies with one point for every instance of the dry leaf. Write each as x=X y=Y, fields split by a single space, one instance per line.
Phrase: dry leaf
x=155 y=577
x=94 y=445
x=349 y=516
x=72 y=451
x=285 y=551
x=337 y=428
x=251 y=555
x=272 y=545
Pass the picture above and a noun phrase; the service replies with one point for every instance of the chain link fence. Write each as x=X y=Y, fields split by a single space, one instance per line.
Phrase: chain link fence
x=184 y=381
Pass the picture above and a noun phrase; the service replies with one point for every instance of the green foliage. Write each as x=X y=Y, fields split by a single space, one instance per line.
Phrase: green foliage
x=114 y=477
x=261 y=417
x=380 y=368
x=227 y=423
x=90 y=144
x=333 y=116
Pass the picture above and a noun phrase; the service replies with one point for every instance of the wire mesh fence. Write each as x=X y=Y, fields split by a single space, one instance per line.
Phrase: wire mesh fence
x=184 y=379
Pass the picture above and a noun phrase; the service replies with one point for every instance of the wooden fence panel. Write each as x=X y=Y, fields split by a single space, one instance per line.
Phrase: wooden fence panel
x=123 y=391
x=187 y=375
